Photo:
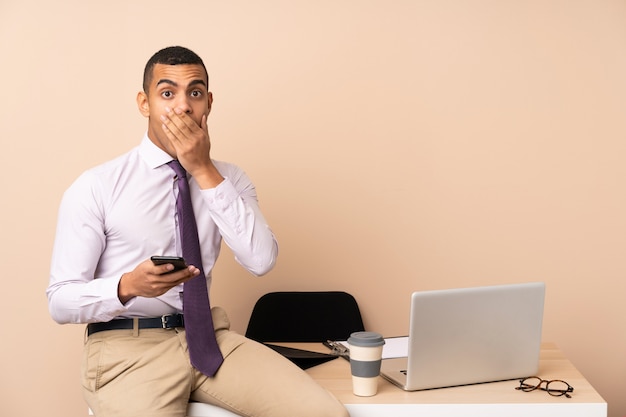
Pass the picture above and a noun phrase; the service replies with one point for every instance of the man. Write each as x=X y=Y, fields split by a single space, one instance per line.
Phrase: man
x=114 y=217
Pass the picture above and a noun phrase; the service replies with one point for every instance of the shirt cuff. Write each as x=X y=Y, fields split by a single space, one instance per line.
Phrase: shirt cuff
x=221 y=196
x=96 y=307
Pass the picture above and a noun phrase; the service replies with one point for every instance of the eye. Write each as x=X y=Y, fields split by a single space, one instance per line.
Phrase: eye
x=167 y=94
x=196 y=93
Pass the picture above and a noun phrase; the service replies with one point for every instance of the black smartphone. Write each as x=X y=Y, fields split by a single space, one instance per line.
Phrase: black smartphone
x=178 y=262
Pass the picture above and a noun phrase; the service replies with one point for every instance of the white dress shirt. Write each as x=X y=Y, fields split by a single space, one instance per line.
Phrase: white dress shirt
x=117 y=215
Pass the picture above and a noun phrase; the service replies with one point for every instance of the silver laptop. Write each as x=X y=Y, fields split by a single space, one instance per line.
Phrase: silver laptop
x=470 y=335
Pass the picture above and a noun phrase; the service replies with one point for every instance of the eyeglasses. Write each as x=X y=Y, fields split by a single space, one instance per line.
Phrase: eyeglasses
x=555 y=387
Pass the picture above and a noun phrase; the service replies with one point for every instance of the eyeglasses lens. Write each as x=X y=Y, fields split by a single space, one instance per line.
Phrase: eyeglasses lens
x=558 y=388
x=530 y=384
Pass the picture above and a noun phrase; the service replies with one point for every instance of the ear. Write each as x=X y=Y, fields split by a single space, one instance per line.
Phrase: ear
x=143 y=104
x=210 y=102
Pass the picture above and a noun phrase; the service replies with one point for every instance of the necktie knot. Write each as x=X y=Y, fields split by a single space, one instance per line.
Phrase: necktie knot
x=178 y=169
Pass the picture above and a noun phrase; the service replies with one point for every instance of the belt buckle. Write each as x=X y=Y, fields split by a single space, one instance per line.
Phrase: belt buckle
x=164 y=320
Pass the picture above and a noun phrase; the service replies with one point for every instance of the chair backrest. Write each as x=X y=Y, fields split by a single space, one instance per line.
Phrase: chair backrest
x=304 y=317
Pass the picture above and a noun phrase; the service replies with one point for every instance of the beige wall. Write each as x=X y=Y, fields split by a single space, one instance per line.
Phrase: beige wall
x=396 y=146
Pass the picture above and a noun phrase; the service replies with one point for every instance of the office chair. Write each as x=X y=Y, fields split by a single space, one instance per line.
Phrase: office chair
x=304 y=317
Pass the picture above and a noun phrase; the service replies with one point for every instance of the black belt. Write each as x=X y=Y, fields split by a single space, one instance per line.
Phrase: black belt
x=168 y=321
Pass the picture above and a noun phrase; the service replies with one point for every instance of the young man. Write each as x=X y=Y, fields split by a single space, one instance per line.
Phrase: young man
x=114 y=217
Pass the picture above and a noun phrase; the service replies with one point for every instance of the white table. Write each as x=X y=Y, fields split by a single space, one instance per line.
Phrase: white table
x=498 y=399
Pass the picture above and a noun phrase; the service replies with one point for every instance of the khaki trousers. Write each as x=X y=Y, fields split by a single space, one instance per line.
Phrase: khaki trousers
x=132 y=373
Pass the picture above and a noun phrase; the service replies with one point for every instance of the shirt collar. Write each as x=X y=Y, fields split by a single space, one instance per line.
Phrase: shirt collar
x=152 y=154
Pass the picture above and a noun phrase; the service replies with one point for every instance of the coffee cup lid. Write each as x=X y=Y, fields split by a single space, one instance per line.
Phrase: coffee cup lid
x=366 y=339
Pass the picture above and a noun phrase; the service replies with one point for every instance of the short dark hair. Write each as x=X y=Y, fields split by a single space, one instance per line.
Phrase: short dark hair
x=172 y=55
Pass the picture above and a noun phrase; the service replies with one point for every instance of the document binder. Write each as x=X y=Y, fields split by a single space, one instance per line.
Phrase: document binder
x=303 y=358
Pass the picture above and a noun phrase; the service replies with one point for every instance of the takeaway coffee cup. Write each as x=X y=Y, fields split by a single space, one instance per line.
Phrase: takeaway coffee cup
x=366 y=349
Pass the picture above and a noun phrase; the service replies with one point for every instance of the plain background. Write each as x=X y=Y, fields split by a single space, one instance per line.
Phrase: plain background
x=396 y=146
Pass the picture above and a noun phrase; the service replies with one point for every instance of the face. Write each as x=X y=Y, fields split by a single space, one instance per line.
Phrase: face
x=173 y=87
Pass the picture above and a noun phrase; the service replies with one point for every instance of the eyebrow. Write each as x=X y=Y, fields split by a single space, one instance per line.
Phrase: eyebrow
x=174 y=84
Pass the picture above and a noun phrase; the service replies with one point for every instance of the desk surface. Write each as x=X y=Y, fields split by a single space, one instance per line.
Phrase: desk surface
x=497 y=399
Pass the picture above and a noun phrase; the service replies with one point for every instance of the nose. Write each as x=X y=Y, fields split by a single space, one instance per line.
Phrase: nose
x=183 y=104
